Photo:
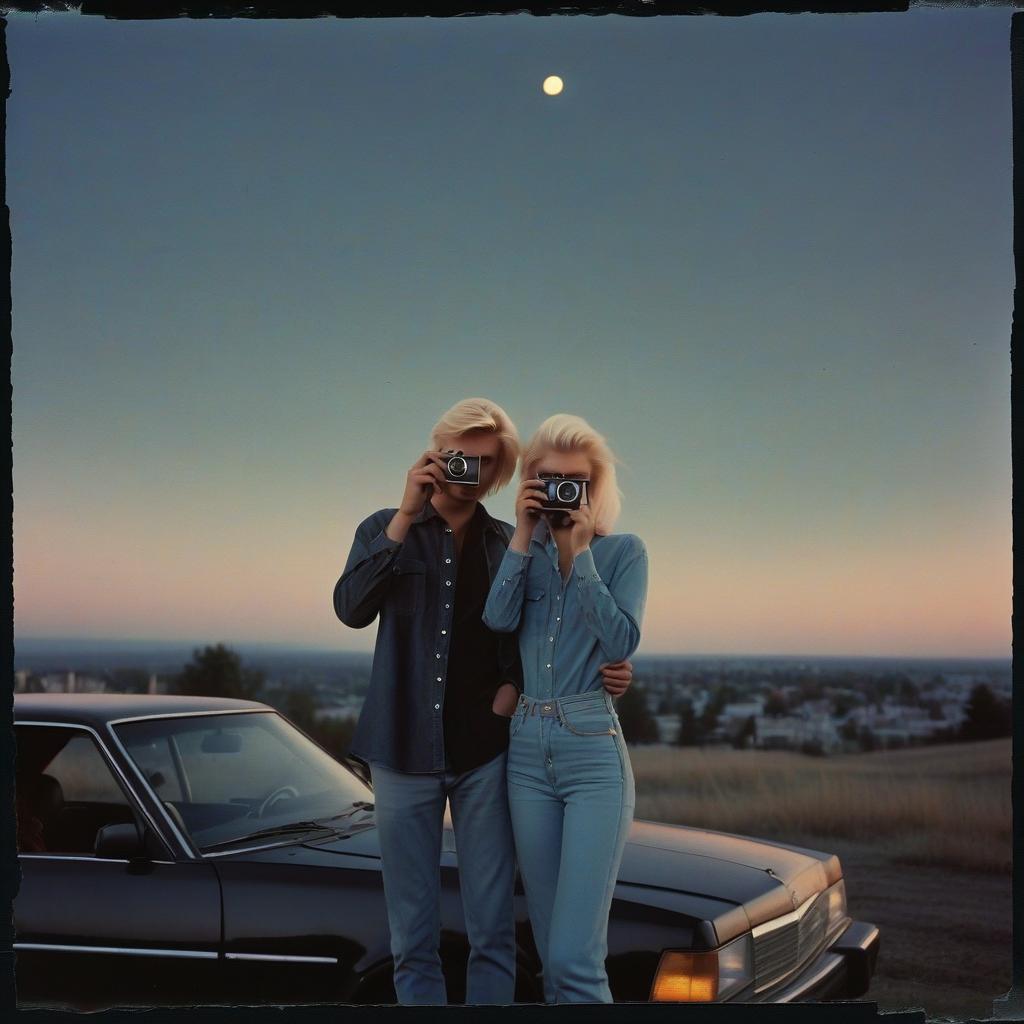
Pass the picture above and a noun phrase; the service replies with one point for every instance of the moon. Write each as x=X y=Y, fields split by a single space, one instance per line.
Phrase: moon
x=552 y=85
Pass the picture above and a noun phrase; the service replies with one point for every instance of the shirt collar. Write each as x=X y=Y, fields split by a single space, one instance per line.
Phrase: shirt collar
x=480 y=515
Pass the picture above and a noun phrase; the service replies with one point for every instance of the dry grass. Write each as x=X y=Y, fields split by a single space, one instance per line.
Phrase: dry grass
x=946 y=805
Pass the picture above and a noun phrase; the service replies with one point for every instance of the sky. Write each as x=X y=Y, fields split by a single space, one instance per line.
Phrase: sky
x=769 y=258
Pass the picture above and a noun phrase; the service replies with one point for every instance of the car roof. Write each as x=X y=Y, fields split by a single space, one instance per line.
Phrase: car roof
x=96 y=709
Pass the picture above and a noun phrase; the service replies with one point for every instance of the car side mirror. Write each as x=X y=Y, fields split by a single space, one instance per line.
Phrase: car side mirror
x=119 y=841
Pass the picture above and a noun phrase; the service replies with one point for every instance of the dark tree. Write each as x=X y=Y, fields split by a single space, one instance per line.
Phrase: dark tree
x=300 y=707
x=129 y=680
x=217 y=672
x=988 y=716
x=907 y=693
x=333 y=734
x=745 y=733
x=689 y=734
x=775 y=705
x=638 y=725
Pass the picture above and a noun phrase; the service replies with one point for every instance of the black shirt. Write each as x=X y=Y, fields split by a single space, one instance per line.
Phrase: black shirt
x=473 y=733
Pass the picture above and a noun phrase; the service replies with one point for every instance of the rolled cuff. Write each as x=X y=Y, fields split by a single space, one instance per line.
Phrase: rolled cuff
x=584 y=568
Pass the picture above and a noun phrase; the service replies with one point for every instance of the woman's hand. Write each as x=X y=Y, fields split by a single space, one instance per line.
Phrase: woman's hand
x=528 y=506
x=505 y=700
x=583 y=527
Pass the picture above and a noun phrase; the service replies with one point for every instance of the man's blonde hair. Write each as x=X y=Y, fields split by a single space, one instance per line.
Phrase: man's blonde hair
x=482 y=414
x=564 y=432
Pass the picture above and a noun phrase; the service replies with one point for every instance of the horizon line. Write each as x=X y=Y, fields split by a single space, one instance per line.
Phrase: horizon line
x=299 y=646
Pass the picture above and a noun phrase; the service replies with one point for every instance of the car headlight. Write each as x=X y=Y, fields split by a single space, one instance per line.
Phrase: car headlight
x=836 y=896
x=686 y=977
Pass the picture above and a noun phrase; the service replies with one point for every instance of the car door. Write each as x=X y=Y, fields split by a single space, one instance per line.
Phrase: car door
x=96 y=930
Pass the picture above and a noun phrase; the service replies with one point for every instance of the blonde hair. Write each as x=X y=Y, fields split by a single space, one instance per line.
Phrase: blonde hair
x=564 y=432
x=482 y=414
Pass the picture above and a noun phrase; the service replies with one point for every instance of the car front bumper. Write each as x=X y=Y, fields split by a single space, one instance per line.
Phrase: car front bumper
x=842 y=970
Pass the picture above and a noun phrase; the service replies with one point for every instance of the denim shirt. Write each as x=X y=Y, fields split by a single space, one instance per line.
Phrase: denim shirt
x=567 y=630
x=410 y=585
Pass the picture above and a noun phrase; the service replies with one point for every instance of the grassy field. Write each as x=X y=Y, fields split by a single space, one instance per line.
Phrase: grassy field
x=923 y=835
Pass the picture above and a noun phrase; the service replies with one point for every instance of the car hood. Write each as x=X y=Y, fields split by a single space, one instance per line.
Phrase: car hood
x=767 y=879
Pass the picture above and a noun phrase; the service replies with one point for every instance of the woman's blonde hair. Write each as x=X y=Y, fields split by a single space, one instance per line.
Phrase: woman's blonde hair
x=482 y=414
x=564 y=432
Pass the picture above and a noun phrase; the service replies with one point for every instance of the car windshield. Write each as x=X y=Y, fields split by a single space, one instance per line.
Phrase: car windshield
x=225 y=777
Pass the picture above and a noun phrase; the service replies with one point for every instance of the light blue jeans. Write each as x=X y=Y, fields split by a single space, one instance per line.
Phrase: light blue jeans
x=571 y=796
x=410 y=818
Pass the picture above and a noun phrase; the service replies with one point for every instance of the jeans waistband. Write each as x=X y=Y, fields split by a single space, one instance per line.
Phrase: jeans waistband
x=550 y=705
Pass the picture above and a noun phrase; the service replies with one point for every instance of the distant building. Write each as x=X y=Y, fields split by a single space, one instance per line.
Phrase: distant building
x=741 y=710
x=71 y=682
x=157 y=685
x=668 y=728
x=791 y=732
x=348 y=707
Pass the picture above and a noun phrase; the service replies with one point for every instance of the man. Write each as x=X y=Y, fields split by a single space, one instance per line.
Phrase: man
x=434 y=726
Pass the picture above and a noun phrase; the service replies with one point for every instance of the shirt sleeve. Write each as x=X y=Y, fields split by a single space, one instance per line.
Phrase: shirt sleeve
x=614 y=611
x=504 y=605
x=367 y=575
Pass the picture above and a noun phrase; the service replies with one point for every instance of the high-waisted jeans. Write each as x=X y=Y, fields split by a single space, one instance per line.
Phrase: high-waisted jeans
x=410 y=818
x=571 y=797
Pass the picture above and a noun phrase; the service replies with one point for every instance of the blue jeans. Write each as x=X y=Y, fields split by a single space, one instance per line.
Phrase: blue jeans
x=571 y=797
x=410 y=818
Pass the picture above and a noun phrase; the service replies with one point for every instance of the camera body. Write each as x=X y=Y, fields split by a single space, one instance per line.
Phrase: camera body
x=563 y=492
x=462 y=469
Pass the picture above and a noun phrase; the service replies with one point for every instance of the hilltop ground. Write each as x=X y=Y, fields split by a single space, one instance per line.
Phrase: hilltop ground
x=923 y=835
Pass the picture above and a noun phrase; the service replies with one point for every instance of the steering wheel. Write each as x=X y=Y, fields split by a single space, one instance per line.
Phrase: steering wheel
x=273 y=796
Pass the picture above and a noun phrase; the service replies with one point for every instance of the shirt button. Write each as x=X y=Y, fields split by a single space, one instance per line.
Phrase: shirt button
x=558 y=597
x=558 y=618
x=439 y=679
x=447 y=583
x=437 y=655
x=447 y=529
x=551 y=638
x=437 y=707
x=443 y=631
x=447 y=560
x=549 y=665
x=447 y=606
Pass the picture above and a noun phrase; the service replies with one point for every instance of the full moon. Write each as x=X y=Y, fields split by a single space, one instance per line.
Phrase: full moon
x=552 y=85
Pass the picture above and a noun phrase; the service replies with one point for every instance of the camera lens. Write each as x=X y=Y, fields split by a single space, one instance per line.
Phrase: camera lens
x=567 y=491
x=457 y=466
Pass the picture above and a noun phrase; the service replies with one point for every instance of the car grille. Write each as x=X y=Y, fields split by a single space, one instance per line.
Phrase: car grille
x=782 y=945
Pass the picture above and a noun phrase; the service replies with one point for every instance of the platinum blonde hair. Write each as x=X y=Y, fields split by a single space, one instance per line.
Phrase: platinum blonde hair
x=564 y=432
x=482 y=414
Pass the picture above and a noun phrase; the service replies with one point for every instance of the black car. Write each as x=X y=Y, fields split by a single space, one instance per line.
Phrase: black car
x=185 y=850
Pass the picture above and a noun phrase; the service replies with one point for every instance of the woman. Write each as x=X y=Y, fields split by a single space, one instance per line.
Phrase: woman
x=575 y=593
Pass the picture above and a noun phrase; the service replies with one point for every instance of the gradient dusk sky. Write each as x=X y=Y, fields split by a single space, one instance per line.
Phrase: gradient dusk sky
x=770 y=258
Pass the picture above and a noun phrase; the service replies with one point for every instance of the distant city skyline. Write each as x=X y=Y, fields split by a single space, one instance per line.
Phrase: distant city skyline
x=770 y=258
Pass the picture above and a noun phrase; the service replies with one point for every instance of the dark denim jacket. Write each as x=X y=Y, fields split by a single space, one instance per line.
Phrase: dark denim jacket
x=410 y=584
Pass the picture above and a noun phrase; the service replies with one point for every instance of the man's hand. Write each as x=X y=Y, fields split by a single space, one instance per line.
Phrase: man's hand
x=617 y=676
x=424 y=479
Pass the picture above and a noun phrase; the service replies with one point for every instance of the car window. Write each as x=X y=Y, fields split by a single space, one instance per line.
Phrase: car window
x=65 y=791
x=157 y=763
x=241 y=773
x=221 y=776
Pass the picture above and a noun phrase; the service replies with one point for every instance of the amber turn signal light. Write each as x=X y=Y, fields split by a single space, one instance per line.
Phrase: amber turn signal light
x=686 y=978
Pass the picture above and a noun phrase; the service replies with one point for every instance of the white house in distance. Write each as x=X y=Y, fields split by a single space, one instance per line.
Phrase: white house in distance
x=792 y=731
